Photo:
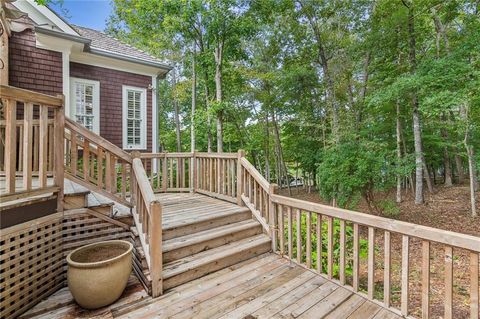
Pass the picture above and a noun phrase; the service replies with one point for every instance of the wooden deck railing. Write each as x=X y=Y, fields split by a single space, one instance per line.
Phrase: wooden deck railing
x=147 y=213
x=213 y=174
x=31 y=136
x=95 y=163
x=333 y=242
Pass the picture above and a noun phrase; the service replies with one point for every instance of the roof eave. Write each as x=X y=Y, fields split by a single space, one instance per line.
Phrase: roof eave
x=63 y=35
x=126 y=58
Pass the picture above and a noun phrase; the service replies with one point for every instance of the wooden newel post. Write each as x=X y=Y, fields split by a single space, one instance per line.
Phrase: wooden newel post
x=194 y=173
x=59 y=155
x=240 y=186
x=155 y=244
x=273 y=217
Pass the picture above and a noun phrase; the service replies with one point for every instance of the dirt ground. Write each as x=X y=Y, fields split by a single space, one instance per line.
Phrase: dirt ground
x=448 y=209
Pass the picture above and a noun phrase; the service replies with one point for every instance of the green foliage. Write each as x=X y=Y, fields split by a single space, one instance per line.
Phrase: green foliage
x=389 y=208
x=363 y=244
x=353 y=169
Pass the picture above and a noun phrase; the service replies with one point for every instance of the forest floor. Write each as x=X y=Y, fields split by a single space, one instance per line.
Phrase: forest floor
x=449 y=209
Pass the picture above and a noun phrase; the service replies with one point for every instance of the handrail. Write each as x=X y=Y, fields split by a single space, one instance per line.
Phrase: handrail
x=27 y=96
x=147 y=214
x=96 y=163
x=104 y=143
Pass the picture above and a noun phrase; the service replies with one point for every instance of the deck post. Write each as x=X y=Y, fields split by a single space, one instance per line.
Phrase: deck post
x=156 y=249
x=273 y=216
x=59 y=151
x=193 y=173
x=241 y=154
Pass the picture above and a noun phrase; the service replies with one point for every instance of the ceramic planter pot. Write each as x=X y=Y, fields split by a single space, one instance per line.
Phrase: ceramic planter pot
x=98 y=273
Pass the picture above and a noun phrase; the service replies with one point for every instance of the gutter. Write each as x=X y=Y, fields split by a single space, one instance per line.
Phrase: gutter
x=63 y=35
x=127 y=58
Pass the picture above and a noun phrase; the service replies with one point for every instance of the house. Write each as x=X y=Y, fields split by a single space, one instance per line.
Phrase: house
x=109 y=87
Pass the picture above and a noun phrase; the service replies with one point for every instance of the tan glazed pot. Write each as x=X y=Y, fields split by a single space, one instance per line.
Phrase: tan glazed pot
x=98 y=273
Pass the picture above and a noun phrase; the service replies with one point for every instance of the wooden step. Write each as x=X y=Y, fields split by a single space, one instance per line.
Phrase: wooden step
x=197 y=265
x=176 y=248
x=100 y=204
x=74 y=200
x=197 y=222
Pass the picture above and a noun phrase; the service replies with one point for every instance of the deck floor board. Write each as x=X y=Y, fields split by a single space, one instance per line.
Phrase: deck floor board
x=263 y=287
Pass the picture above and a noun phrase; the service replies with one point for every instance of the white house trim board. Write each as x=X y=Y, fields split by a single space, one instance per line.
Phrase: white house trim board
x=154 y=120
x=66 y=81
x=42 y=15
x=143 y=118
x=96 y=101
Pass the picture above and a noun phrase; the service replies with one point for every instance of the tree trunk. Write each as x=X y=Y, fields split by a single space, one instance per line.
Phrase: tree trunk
x=448 y=167
x=459 y=168
x=218 y=95
x=282 y=166
x=428 y=176
x=194 y=102
x=417 y=131
x=399 y=154
x=267 y=148
x=177 y=116
x=471 y=170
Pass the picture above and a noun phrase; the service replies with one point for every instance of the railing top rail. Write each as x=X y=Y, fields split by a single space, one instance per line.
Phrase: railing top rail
x=256 y=174
x=166 y=154
x=22 y=95
x=216 y=155
x=419 y=231
x=74 y=126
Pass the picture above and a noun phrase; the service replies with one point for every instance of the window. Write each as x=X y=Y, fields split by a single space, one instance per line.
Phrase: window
x=134 y=118
x=85 y=103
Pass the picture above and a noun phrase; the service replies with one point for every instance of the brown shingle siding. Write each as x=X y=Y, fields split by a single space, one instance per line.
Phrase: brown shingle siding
x=32 y=68
x=111 y=82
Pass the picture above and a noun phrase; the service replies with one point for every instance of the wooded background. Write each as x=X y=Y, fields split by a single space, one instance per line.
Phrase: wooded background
x=354 y=96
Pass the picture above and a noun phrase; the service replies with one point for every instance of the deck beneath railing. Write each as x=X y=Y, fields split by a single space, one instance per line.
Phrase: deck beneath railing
x=267 y=286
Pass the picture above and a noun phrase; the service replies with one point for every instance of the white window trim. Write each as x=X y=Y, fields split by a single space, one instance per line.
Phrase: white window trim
x=143 y=115
x=96 y=101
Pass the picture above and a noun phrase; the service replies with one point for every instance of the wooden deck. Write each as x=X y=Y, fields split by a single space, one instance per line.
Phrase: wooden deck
x=266 y=286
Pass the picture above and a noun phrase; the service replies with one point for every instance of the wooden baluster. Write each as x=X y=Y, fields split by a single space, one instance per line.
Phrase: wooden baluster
x=219 y=176
x=27 y=145
x=405 y=273
x=86 y=160
x=171 y=173
x=108 y=171
x=152 y=177
x=73 y=153
x=51 y=138
x=319 y=243
x=387 y=269
x=20 y=149
x=371 y=262
x=10 y=145
x=113 y=162
x=474 y=282
x=124 y=180
x=156 y=249
x=164 y=173
x=425 y=279
x=176 y=166
x=448 y=282
x=255 y=190
x=240 y=177
x=299 y=235
x=184 y=172
x=42 y=148
x=342 y=252
x=309 y=240
x=356 y=256
x=228 y=178
x=290 y=233
x=100 y=167
x=281 y=230
x=330 y=247
x=210 y=175
x=36 y=145
x=158 y=174
x=92 y=166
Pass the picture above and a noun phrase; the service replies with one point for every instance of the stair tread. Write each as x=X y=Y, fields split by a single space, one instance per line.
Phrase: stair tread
x=205 y=257
x=96 y=200
x=181 y=222
x=198 y=237
x=71 y=189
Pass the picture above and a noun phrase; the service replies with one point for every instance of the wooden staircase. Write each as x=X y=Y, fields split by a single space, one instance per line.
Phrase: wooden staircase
x=202 y=235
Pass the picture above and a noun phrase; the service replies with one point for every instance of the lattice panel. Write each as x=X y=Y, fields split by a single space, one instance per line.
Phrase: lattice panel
x=82 y=229
x=31 y=261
